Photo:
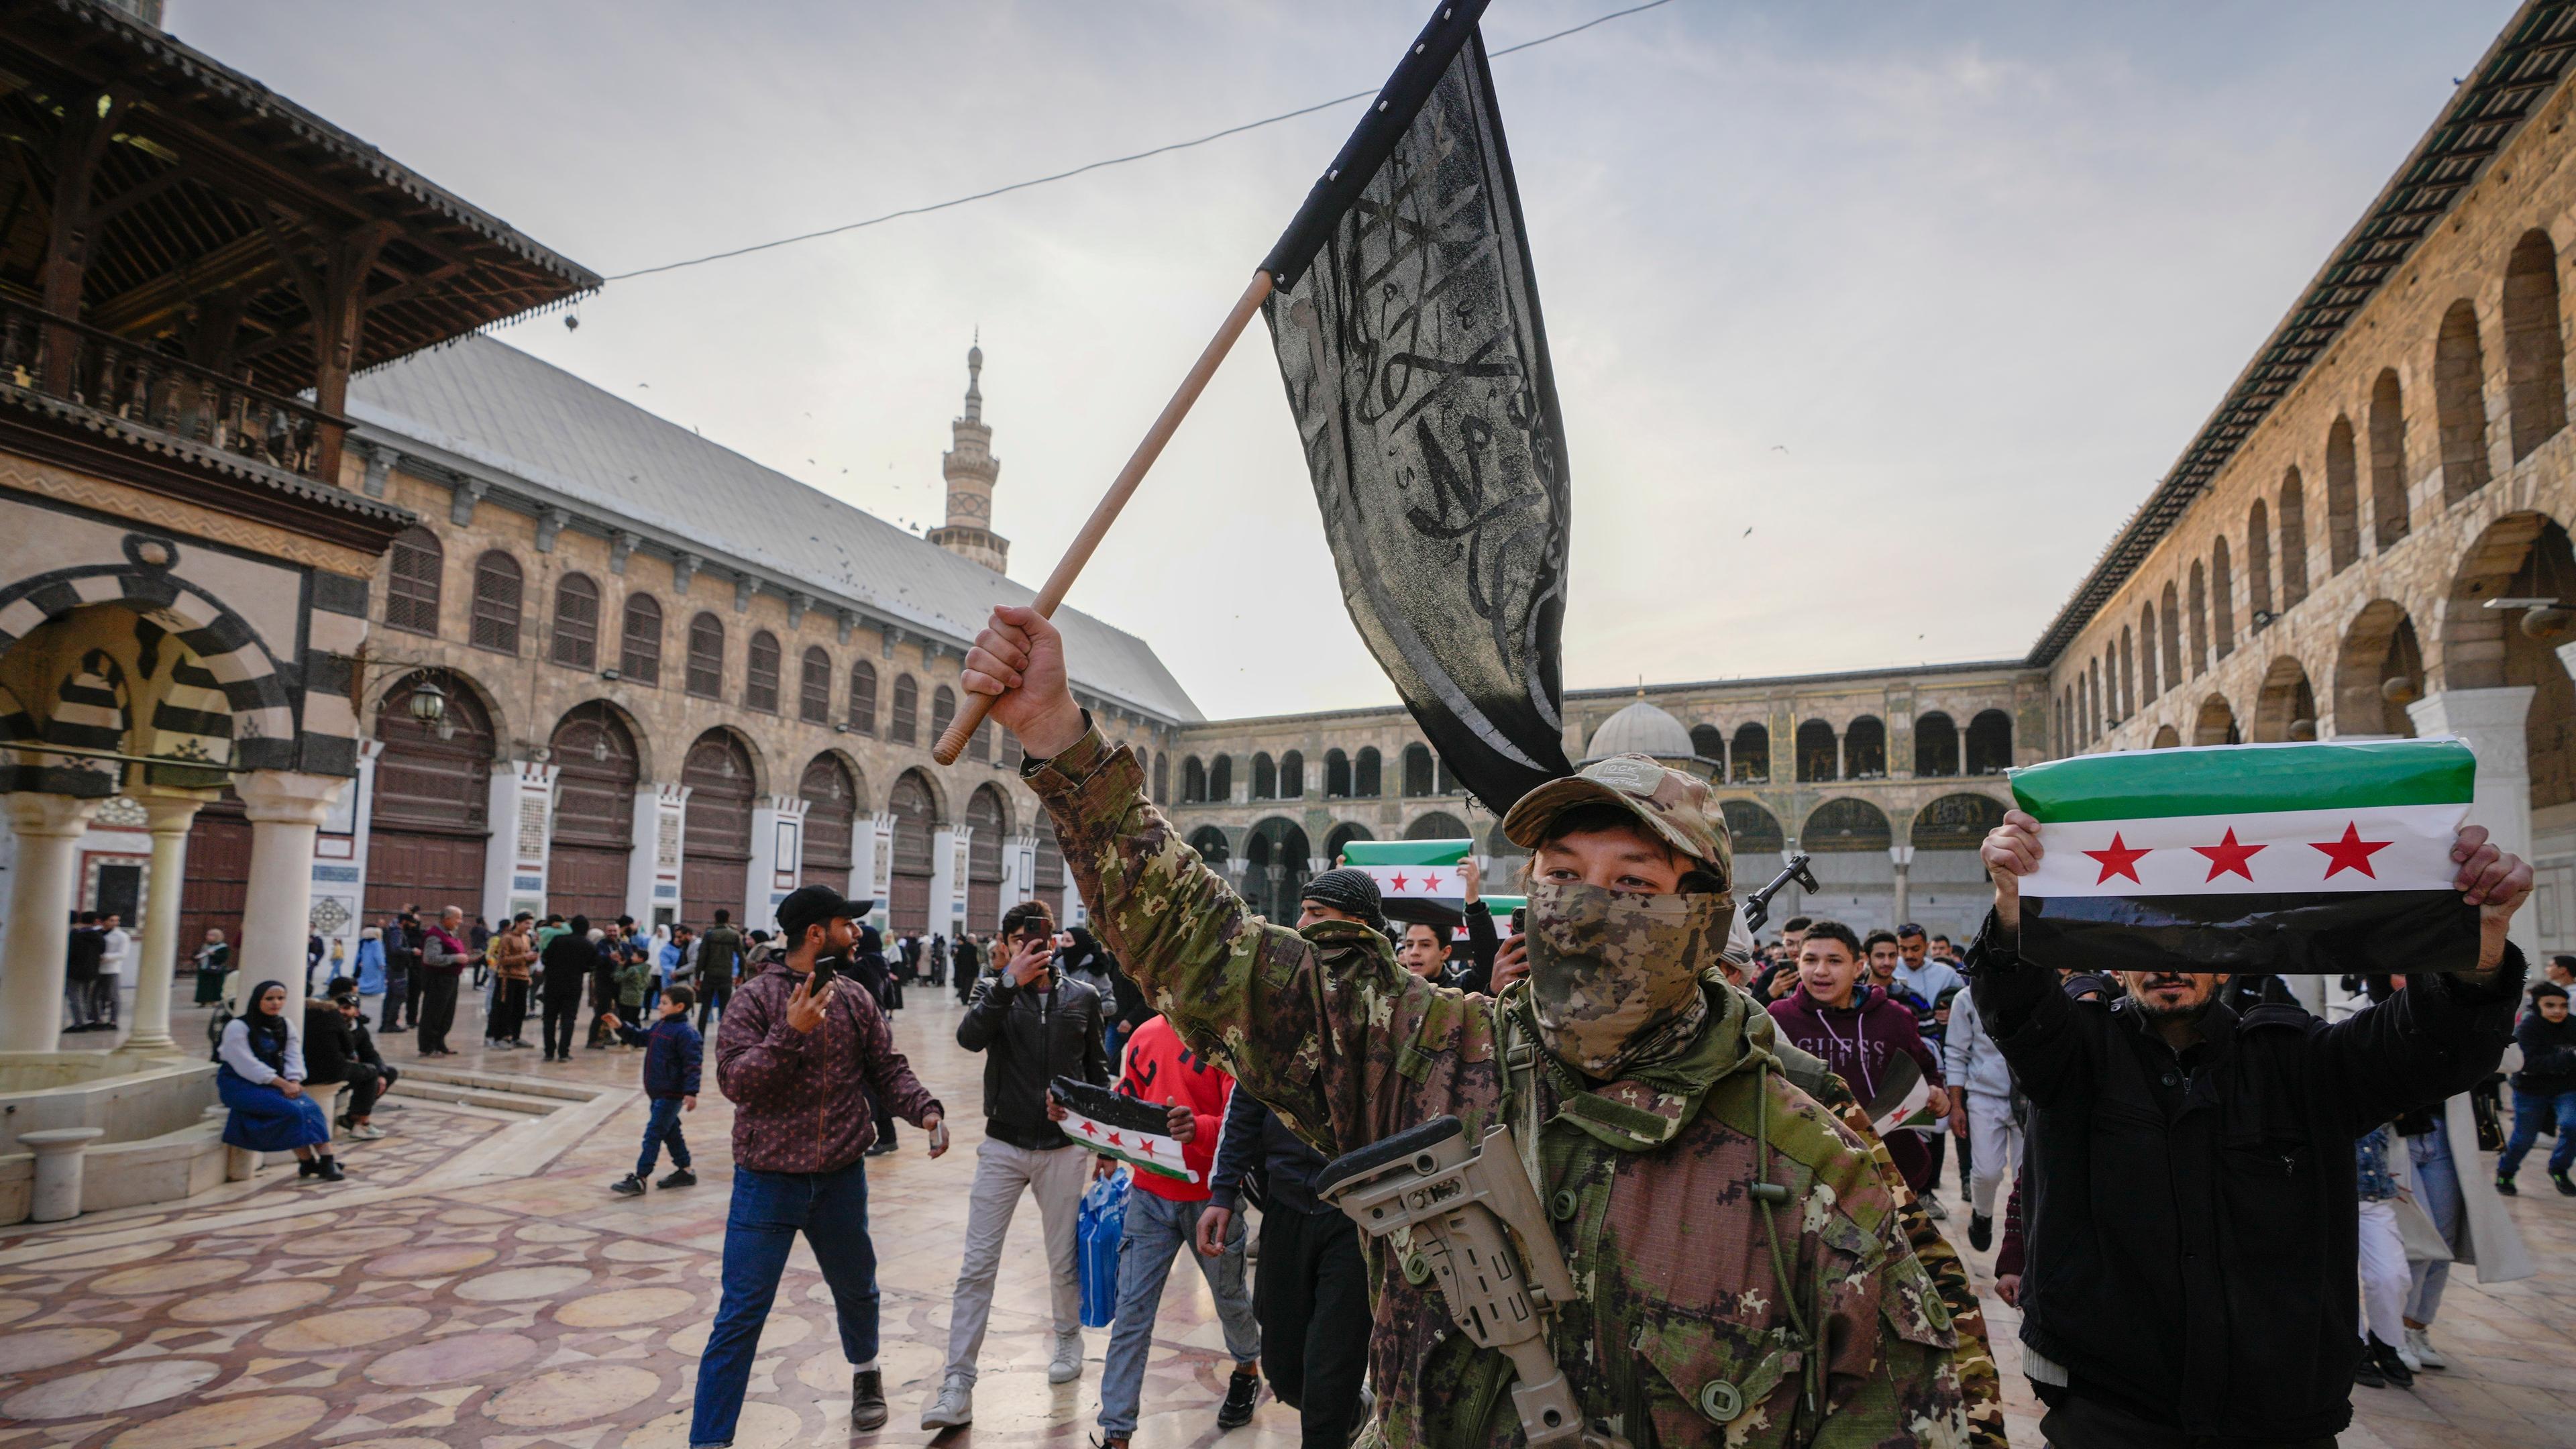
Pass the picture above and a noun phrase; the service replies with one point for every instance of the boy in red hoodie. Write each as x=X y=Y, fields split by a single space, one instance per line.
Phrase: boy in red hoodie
x=1162 y=1219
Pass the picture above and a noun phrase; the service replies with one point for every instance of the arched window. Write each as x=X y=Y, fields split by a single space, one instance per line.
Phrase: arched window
x=1750 y=755
x=2294 y=541
x=639 y=647
x=2343 y=498
x=1265 y=777
x=1818 y=759
x=1337 y=775
x=2092 y=701
x=1364 y=774
x=411 y=586
x=1013 y=757
x=2128 y=673
x=706 y=657
x=1292 y=775
x=904 y=721
x=2258 y=564
x=1936 y=745
x=1708 y=742
x=2222 y=597
x=2199 y=619
x=1162 y=768
x=2460 y=403
x=2147 y=678
x=979 y=745
x=1221 y=779
x=2066 y=722
x=1865 y=749
x=863 y=698
x=814 y=692
x=577 y=622
x=2172 y=639
x=2535 y=356
x=1193 y=780
x=760 y=674
x=1419 y=778
x=943 y=708
x=496 y=603
x=2388 y=515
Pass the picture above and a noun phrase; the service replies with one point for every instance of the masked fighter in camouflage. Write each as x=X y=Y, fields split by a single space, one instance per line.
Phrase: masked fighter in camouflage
x=1745 y=1272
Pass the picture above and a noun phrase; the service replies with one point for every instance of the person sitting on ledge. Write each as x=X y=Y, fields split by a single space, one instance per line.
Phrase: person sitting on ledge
x=261 y=1080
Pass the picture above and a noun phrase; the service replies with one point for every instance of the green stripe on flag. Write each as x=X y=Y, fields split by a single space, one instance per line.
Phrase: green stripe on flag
x=2247 y=779
x=1405 y=852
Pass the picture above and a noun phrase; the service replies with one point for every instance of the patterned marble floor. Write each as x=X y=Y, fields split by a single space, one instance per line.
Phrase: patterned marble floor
x=418 y=1305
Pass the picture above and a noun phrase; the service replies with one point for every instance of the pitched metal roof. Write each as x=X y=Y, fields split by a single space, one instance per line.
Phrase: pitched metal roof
x=2526 y=62
x=489 y=408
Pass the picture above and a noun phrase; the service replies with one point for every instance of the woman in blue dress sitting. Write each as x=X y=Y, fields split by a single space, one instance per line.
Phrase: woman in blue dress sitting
x=261 y=1080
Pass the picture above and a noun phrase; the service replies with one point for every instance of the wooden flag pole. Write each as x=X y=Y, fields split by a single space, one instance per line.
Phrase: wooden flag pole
x=1067 y=569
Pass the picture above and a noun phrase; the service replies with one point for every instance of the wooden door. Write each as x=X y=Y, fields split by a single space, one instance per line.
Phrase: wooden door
x=594 y=818
x=914 y=820
x=715 y=844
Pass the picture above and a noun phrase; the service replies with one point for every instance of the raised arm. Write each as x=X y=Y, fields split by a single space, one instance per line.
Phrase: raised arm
x=2029 y=1017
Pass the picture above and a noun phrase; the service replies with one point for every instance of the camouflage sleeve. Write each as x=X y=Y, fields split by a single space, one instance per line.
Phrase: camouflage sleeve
x=1344 y=1055
x=1980 y=1383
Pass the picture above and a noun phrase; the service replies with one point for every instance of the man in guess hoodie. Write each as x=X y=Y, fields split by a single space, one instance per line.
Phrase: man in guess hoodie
x=1858 y=1029
x=1162 y=1219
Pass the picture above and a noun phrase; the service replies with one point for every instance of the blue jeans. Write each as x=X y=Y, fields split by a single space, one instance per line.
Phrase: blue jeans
x=769 y=1210
x=2437 y=1191
x=663 y=1126
x=2529 y=1110
x=1157 y=1227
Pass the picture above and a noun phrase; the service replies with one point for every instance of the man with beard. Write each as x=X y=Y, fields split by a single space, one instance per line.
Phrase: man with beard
x=2192 y=1204
x=1749 y=1278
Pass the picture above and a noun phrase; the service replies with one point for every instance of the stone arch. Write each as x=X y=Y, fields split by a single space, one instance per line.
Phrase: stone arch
x=1750 y=762
x=2167 y=738
x=2150 y=679
x=1265 y=776
x=1936 y=745
x=2172 y=638
x=1367 y=772
x=1865 y=749
x=2343 y=498
x=598 y=757
x=1292 y=775
x=1437 y=825
x=2379 y=669
x=2285 y=708
x=576 y=621
x=85 y=706
x=218 y=642
x=723 y=775
x=1342 y=835
x=1708 y=742
x=1193 y=780
x=2292 y=514
x=2216 y=723
x=1421 y=776
x=2222 y=598
x=1209 y=842
x=1752 y=829
x=2199 y=619
x=1337 y=775
x=1956 y=822
x=2535 y=352
x=1275 y=867
x=2517 y=556
x=829 y=786
x=988 y=819
x=430 y=813
x=2259 y=609
x=914 y=802
x=1989 y=742
x=2388 y=481
x=2459 y=402
x=1845 y=825
x=1220 y=779
x=1818 y=760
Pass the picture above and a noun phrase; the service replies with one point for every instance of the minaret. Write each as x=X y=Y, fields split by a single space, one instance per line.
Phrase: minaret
x=971 y=469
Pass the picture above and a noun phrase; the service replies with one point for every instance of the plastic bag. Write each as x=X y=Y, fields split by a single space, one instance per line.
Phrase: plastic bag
x=1098 y=1229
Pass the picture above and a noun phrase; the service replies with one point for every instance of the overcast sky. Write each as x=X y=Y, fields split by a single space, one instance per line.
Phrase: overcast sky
x=1925 y=296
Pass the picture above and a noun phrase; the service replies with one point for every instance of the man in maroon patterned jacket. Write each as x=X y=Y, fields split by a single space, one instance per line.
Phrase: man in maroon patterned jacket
x=798 y=1066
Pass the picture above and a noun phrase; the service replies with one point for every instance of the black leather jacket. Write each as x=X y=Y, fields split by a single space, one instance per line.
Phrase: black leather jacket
x=1028 y=1039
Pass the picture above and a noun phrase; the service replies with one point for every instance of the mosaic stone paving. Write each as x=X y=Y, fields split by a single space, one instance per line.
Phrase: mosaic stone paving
x=408 y=1308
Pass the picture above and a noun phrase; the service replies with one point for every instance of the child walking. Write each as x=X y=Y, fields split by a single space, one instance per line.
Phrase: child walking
x=672 y=1053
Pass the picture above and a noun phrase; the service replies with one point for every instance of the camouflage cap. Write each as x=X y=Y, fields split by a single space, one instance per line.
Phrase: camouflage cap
x=1675 y=804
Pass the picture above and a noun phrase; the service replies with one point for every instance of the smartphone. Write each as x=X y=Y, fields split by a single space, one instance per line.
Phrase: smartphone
x=1520 y=919
x=825 y=968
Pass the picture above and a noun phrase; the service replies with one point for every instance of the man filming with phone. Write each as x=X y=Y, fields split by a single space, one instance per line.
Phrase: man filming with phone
x=798 y=1055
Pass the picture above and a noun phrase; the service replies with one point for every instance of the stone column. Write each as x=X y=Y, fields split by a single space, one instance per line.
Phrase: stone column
x=285 y=808
x=948 y=846
x=49 y=828
x=2492 y=722
x=168 y=818
x=1901 y=903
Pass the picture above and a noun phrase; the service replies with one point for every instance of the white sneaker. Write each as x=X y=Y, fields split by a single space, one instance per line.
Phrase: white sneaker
x=1067 y=1364
x=366 y=1132
x=1933 y=1209
x=2419 y=1353
x=955 y=1405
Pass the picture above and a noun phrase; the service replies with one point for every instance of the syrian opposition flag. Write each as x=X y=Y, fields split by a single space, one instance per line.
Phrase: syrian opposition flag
x=1418 y=879
x=2301 y=858
x=1904 y=1099
x=1136 y=1133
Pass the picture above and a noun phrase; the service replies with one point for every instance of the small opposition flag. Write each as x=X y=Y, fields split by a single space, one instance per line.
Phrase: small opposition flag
x=2310 y=859
x=1417 y=880
x=1904 y=1100
x=1405 y=315
x=1136 y=1133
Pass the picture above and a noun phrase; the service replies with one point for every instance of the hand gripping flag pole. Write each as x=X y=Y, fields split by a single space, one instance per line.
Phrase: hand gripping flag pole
x=1451 y=28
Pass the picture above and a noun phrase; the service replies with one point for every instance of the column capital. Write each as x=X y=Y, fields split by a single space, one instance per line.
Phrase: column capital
x=33 y=812
x=288 y=796
x=169 y=814
x=2470 y=712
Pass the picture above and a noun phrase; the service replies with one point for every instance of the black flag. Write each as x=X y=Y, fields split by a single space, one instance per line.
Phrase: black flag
x=1407 y=324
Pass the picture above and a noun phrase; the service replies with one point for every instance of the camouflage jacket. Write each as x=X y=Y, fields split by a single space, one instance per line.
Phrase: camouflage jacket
x=1685 y=1333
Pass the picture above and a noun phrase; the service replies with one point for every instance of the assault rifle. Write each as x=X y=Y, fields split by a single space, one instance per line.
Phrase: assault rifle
x=1757 y=906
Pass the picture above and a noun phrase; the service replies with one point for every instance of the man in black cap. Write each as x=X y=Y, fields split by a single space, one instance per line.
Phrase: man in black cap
x=1345 y=893
x=799 y=1065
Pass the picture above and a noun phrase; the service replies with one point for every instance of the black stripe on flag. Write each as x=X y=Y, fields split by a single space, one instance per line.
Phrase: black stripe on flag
x=2326 y=933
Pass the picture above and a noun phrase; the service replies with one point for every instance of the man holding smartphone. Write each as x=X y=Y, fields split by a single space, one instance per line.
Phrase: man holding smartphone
x=798 y=1056
x=1032 y=1025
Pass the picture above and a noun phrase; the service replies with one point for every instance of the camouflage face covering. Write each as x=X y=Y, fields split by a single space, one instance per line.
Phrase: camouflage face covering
x=1614 y=978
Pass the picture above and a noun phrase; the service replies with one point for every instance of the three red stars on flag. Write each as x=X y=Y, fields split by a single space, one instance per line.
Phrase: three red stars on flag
x=2233 y=857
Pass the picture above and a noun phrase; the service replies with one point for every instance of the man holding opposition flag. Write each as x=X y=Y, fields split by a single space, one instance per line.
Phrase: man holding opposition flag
x=2192 y=1197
